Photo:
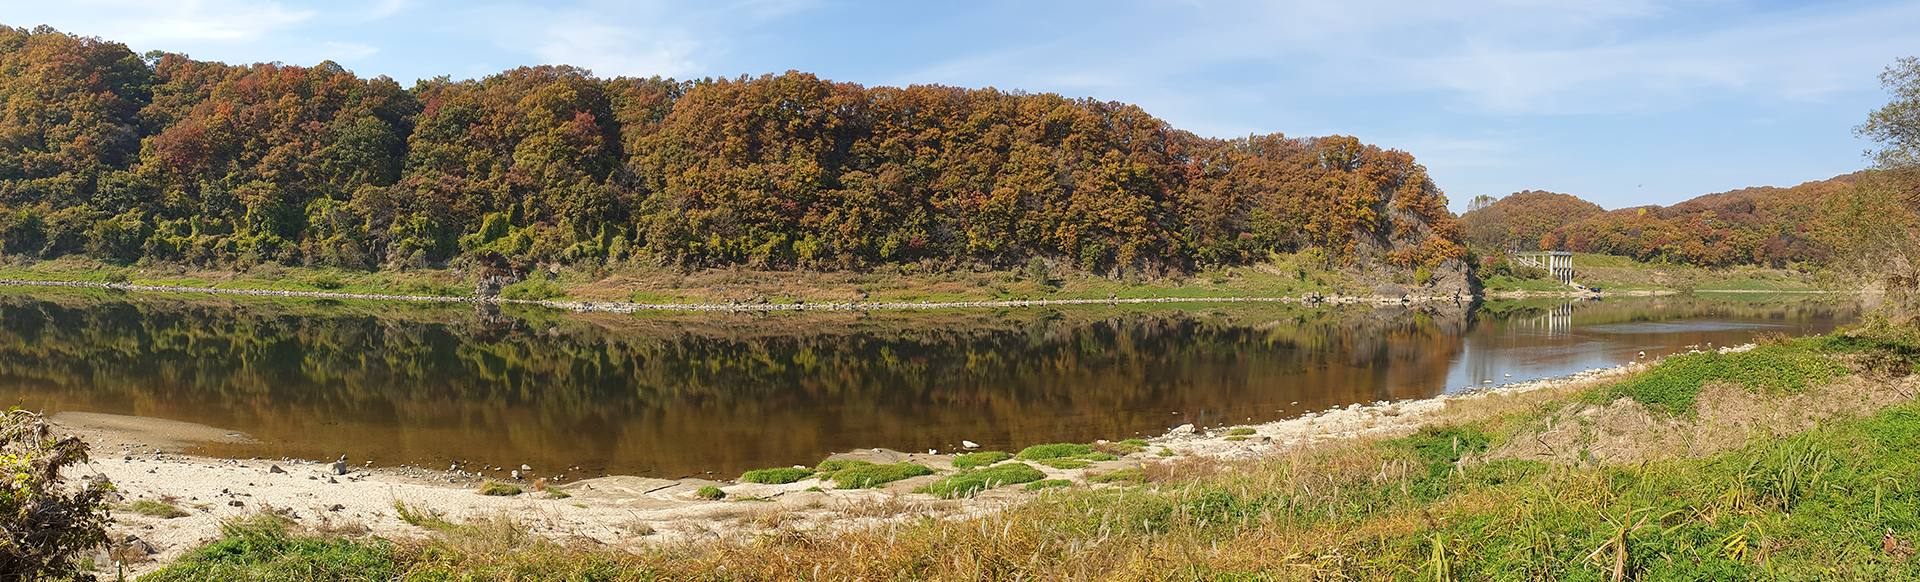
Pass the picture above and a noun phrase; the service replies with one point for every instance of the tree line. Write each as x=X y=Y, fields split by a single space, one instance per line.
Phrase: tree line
x=160 y=157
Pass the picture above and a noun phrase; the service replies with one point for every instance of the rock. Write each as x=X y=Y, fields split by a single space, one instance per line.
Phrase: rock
x=516 y=474
x=1186 y=429
x=275 y=469
x=969 y=444
x=135 y=545
x=336 y=507
x=236 y=503
x=524 y=467
x=339 y=467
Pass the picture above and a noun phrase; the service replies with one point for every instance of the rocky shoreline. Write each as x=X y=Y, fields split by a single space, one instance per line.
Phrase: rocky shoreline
x=631 y=307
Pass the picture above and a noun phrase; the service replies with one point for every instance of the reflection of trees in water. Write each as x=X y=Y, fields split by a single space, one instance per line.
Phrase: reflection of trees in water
x=675 y=393
x=1555 y=313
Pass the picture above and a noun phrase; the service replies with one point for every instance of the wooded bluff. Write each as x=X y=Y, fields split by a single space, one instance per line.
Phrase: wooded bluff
x=160 y=157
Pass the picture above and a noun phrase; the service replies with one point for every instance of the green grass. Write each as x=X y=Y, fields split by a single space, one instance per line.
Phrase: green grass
x=1672 y=387
x=776 y=475
x=980 y=459
x=968 y=483
x=261 y=549
x=871 y=475
x=710 y=493
x=152 y=508
x=1241 y=431
x=1065 y=463
x=1053 y=451
x=498 y=489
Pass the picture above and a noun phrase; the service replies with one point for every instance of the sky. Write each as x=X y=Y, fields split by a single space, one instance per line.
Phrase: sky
x=1622 y=103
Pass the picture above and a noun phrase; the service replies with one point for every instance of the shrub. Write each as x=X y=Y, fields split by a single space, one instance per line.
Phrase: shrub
x=259 y=548
x=152 y=508
x=1047 y=484
x=498 y=489
x=876 y=475
x=710 y=493
x=969 y=483
x=1053 y=451
x=777 y=475
x=971 y=460
x=45 y=524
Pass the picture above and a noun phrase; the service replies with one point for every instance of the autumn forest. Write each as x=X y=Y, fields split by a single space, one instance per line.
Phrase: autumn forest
x=160 y=157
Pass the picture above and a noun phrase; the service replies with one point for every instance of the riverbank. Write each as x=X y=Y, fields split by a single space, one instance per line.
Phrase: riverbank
x=146 y=460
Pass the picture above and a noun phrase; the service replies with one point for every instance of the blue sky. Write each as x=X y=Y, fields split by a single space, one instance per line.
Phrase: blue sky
x=1622 y=103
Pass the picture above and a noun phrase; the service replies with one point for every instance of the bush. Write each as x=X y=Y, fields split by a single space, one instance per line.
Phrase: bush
x=497 y=488
x=873 y=475
x=710 y=493
x=1053 y=451
x=533 y=290
x=969 y=483
x=776 y=475
x=259 y=548
x=971 y=460
x=45 y=523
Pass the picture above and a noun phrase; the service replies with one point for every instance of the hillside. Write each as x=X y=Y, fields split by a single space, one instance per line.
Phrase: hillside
x=1764 y=225
x=165 y=159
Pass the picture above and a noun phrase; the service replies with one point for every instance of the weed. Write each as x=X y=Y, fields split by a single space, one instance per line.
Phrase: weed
x=261 y=548
x=710 y=493
x=1672 y=387
x=1127 y=475
x=497 y=488
x=1243 y=431
x=152 y=508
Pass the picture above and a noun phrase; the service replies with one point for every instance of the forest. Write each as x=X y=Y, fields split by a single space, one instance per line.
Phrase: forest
x=1777 y=227
x=162 y=158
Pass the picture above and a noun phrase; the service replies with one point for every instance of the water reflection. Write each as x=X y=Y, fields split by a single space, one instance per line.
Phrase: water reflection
x=675 y=395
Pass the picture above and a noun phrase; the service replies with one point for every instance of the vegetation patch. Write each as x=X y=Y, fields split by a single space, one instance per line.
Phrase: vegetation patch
x=710 y=493
x=1242 y=431
x=498 y=489
x=981 y=459
x=1053 y=451
x=876 y=475
x=971 y=482
x=1127 y=475
x=1065 y=463
x=777 y=475
x=1047 y=484
x=151 y=508
x=260 y=548
x=1780 y=367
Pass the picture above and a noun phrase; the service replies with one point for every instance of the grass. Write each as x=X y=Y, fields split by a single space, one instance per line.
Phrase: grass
x=1778 y=367
x=968 y=483
x=1243 y=431
x=1047 y=484
x=497 y=488
x=776 y=475
x=151 y=508
x=262 y=548
x=870 y=475
x=1054 y=451
x=1836 y=502
x=981 y=459
x=710 y=493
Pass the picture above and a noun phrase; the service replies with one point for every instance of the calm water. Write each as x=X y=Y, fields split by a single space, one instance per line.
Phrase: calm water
x=674 y=395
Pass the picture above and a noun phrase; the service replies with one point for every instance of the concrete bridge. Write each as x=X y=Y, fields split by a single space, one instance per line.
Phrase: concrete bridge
x=1559 y=263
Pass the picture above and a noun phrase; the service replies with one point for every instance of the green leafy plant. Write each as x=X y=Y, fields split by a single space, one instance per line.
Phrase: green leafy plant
x=45 y=523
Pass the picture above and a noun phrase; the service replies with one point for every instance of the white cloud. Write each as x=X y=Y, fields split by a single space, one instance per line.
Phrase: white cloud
x=613 y=50
x=159 y=23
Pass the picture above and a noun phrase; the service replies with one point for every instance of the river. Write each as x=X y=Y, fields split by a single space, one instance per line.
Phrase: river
x=713 y=394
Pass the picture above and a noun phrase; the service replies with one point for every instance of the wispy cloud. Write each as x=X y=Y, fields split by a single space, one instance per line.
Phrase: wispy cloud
x=187 y=20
